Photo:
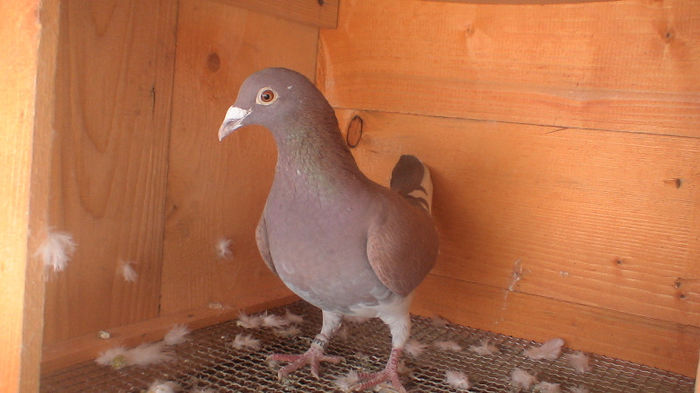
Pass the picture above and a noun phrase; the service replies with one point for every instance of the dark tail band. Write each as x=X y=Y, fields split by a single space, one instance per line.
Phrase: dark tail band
x=411 y=179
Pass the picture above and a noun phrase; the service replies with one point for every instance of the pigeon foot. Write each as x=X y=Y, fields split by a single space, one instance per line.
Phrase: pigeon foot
x=389 y=374
x=313 y=357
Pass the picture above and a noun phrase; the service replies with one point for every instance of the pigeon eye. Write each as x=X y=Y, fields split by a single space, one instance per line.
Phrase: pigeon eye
x=266 y=96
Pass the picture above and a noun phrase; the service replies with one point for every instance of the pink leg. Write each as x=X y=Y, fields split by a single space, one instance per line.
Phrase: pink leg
x=313 y=357
x=389 y=374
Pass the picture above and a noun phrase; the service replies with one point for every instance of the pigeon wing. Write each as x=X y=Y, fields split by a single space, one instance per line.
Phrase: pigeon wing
x=402 y=245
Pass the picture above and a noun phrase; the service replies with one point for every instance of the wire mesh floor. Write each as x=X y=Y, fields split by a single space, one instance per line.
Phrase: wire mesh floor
x=207 y=360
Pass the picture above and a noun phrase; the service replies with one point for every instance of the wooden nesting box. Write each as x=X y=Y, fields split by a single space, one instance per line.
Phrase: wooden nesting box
x=563 y=137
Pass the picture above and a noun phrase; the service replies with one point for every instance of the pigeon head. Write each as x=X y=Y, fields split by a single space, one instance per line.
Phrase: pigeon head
x=278 y=99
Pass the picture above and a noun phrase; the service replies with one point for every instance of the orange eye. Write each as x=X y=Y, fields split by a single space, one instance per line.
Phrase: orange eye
x=267 y=95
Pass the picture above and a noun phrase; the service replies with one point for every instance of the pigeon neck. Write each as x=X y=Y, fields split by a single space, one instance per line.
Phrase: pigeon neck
x=317 y=152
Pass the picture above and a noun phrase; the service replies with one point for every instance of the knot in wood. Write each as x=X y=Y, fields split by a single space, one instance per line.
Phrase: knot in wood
x=354 y=131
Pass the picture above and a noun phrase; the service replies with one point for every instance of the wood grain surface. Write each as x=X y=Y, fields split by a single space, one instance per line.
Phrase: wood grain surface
x=318 y=13
x=217 y=190
x=564 y=146
x=28 y=41
x=584 y=226
x=662 y=344
x=109 y=169
x=620 y=65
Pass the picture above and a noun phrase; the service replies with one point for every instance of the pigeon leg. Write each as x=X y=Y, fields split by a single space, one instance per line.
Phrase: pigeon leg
x=400 y=326
x=314 y=355
x=389 y=374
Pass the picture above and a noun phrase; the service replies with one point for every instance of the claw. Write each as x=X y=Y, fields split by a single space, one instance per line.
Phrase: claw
x=313 y=357
x=389 y=374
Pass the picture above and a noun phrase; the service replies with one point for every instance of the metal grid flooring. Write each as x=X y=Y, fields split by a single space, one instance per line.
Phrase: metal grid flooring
x=207 y=360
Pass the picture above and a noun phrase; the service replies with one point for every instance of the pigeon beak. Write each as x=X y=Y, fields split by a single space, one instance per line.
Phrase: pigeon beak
x=232 y=121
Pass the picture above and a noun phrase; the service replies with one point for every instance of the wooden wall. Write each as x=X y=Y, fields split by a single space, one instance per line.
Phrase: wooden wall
x=564 y=141
x=218 y=190
x=114 y=86
x=139 y=175
x=28 y=43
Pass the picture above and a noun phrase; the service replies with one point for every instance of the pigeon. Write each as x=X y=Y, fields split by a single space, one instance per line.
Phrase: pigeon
x=340 y=241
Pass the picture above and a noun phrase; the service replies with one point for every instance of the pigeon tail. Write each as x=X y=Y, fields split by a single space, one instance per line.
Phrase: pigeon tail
x=411 y=178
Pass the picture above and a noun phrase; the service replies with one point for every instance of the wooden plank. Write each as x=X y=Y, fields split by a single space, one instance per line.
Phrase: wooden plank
x=19 y=42
x=697 y=378
x=69 y=352
x=318 y=13
x=114 y=83
x=621 y=65
x=39 y=194
x=661 y=344
x=519 y=1
x=28 y=41
x=594 y=217
x=217 y=190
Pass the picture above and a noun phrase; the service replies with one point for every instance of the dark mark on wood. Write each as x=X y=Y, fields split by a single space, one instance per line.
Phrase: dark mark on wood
x=354 y=131
x=677 y=283
x=557 y=130
x=668 y=37
x=213 y=62
x=153 y=98
x=678 y=182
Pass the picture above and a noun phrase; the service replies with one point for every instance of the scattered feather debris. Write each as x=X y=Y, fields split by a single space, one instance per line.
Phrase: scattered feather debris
x=291 y=331
x=348 y=381
x=355 y=319
x=521 y=379
x=127 y=271
x=547 y=387
x=164 y=387
x=148 y=354
x=56 y=250
x=578 y=389
x=414 y=348
x=176 y=335
x=362 y=359
x=343 y=333
x=246 y=342
x=249 y=321
x=517 y=274
x=103 y=334
x=403 y=369
x=113 y=357
x=274 y=321
x=223 y=248
x=457 y=379
x=384 y=387
x=438 y=321
x=293 y=318
x=215 y=306
x=143 y=355
x=550 y=350
x=578 y=361
x=485 y=348
x=447 y=345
